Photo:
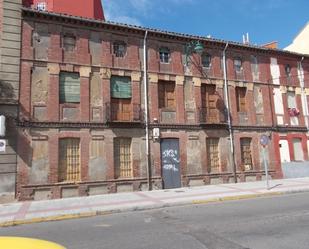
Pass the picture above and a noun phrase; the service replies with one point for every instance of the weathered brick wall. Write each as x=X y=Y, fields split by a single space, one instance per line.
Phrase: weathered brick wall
x=43 y=58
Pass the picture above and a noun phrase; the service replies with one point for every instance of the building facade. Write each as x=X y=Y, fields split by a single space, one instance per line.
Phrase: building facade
x=82 y=109
x=10 y=40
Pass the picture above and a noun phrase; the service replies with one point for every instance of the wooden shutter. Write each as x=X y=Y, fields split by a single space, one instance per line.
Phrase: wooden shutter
x=122 y=157
x=69 y=88
x=69 y=159
x=170 y=95
x=167 y=96
x=241 y=99
x=121 y=87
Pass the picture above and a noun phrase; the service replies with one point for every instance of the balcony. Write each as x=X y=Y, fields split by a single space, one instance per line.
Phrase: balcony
x=210 y=116
x=123 y=113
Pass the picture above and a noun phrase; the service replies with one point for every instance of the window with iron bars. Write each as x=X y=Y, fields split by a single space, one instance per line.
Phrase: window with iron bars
x=246 y=155
x=165 y=55
x=69 y=160
x=122 y=158
x=213 y=157
x=120 y=49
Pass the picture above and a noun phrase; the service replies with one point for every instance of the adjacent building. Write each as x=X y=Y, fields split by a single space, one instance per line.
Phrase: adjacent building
x=10 y=44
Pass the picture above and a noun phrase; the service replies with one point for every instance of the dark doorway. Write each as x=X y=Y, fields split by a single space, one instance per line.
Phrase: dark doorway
x=170 y=162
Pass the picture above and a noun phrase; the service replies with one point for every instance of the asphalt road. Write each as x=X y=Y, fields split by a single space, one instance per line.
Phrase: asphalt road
x=263 y=223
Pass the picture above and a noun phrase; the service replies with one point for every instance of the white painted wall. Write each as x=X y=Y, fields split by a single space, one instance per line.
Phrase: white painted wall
x=275 y=71
x=284 y=151
x=301 y=42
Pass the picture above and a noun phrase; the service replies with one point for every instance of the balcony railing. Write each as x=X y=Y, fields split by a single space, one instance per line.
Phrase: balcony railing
x=210 y=116
x=132 y=113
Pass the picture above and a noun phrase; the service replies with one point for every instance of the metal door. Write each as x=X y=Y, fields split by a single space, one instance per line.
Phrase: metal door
x=170 y=163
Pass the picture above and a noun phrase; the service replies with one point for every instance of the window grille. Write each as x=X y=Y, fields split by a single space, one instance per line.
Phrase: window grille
x=122 y=157
x=120 y=49
x=41 y=6
x=246 y=156
x=206 y=60
x=69 y=159
x=213 y=154
x=164 y=55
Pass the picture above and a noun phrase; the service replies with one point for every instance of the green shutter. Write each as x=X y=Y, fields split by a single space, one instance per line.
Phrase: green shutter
x=69 y=88
x=121 y=87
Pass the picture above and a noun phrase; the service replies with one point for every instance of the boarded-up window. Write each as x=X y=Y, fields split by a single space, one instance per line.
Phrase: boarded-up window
x=209 y=102
x=246 y=156
x=69 y=87
x=121 y=87
x=167 y=98
x=69 y=42
x=69 y=159
x=213 y=154
x=291 y=99
x=298 y=149
x=241 y=99
x=122 y=158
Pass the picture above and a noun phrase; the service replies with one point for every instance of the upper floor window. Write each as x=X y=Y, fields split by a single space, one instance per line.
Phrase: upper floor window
x=120 y=49
x=167 y=96
x=69 y=42
x=41 y=6
x=121 y=87
x=206 y=60
x=69 y=89
x=165 y=55
x=287 y=70
x=254 y=64
x=241 y=99
x=238 y=64
x=69 y=160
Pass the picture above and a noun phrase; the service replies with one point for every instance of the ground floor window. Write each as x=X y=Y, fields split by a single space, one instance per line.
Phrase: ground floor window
x=69 y=159
x=246 y=156
x=123 y=158
x=213 y=154
x=298 y=149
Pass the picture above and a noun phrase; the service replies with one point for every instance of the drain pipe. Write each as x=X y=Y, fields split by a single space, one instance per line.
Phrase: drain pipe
x=303 y=95
x=229 y=120
x=149 y=182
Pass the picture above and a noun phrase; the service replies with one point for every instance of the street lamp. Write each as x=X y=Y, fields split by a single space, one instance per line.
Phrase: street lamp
x=193 y=47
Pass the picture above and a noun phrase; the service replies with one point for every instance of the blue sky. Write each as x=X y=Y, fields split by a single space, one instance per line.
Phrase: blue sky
x=265 y=20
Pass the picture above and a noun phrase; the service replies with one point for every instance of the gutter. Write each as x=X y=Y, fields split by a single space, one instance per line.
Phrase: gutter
x=229 y=119
x=145 y=72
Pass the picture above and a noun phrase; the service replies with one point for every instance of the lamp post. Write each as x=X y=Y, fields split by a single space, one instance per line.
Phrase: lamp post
x=193 y=47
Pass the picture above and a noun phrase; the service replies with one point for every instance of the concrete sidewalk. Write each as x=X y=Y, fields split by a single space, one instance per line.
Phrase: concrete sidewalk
x=38 y=211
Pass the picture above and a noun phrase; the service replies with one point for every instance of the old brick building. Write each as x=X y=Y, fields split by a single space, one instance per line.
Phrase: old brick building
x=82 y=109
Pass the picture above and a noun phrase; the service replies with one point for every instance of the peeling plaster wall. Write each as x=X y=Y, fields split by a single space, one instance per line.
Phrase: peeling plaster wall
x=97 y=163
